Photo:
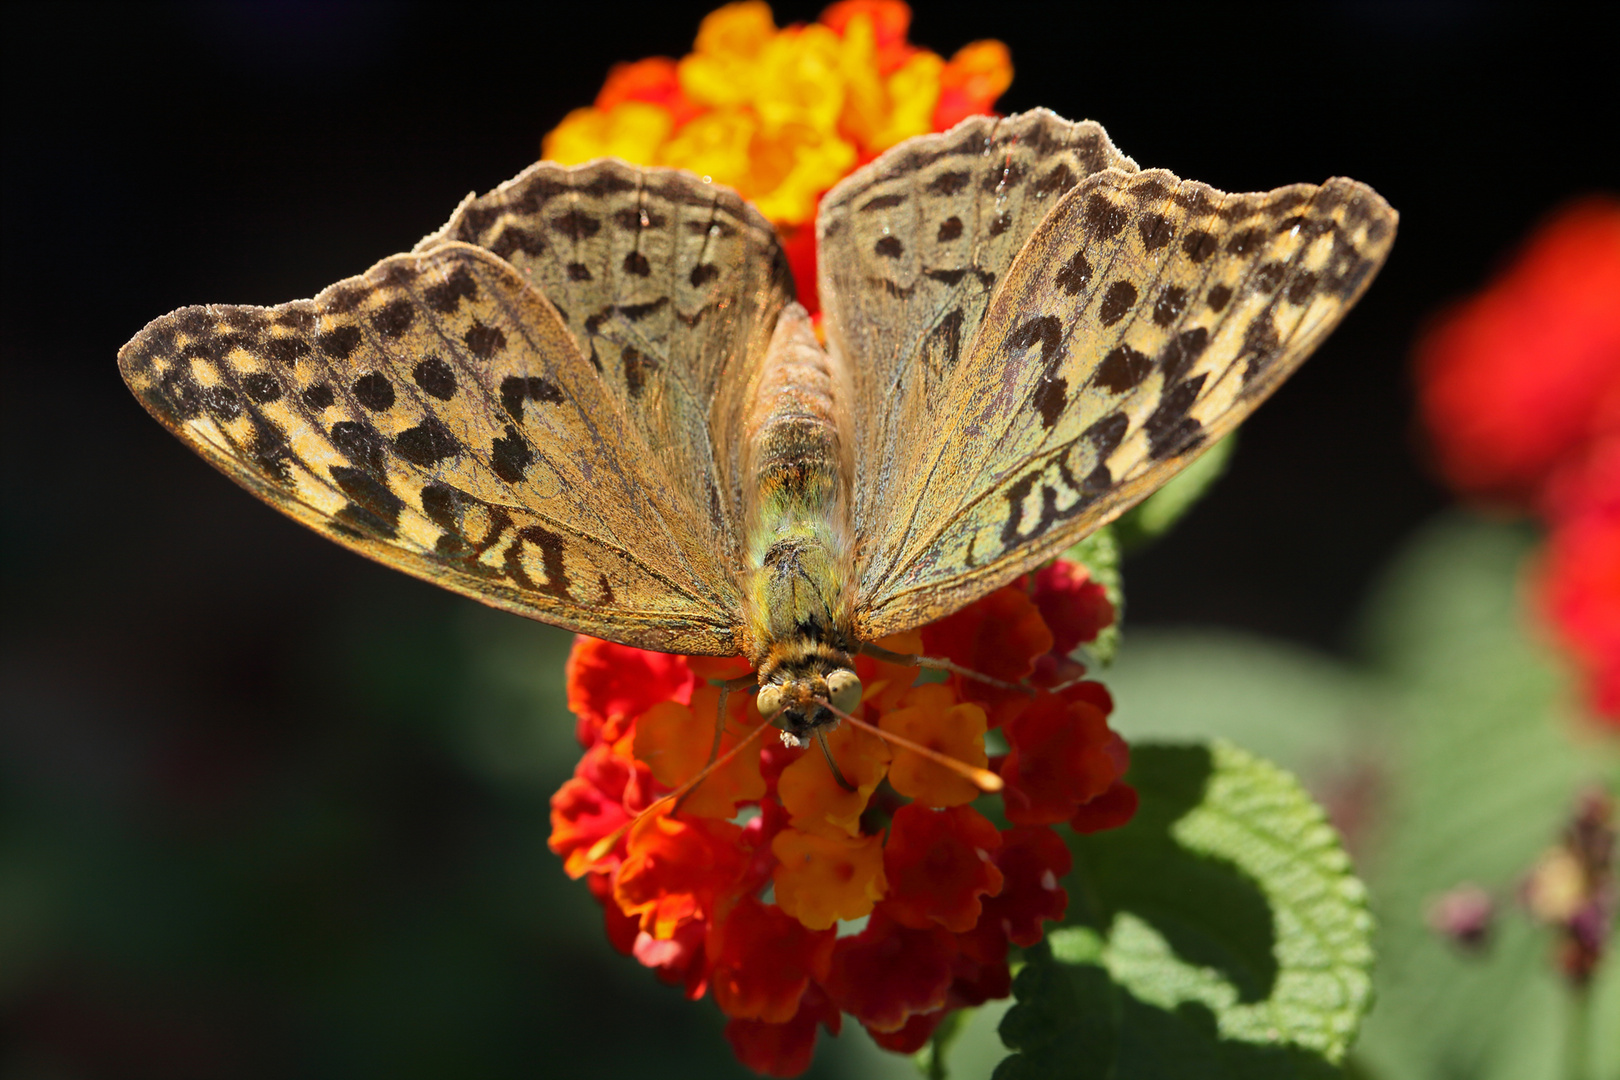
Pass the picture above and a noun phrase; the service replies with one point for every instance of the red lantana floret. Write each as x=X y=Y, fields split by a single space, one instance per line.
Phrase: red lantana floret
x=743 y=892
x=1520 y=390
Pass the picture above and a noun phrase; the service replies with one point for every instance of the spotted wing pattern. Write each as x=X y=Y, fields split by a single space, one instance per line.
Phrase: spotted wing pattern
x=436 y=414
x=911 y=249
x=1145 y=317
x=670 y=285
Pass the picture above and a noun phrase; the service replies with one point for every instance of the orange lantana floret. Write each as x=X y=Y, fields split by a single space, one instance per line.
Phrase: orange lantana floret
x=933 y=716
x=824 y=878
x=782 y=114
x=749 y=905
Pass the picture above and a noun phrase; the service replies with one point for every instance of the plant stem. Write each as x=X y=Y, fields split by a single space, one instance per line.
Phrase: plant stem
x=1578 y=1035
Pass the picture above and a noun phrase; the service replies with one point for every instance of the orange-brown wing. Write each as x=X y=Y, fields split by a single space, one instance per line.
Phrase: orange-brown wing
x=436 y=414
x=671 y=286
x=1145 y=318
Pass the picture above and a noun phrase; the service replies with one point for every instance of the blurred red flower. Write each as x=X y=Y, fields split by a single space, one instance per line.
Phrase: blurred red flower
x=1519 y=388
x=1517 y=381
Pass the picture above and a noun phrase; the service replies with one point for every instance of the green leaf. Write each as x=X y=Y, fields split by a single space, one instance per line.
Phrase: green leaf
x=1154 y=515
x=1220 y=934
x=1099 y=554
x=1488 y=763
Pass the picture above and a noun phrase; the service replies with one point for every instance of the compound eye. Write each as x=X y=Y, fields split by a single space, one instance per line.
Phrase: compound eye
x=769 y=700
x=844 y=690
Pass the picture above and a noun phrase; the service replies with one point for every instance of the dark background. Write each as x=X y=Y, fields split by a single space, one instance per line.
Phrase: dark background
x=272 y=810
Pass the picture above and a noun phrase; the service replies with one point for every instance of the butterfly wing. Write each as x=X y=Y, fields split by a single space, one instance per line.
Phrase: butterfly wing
x=436 y=414
x=670 y=285
x=911 y=249
x=1145 y=318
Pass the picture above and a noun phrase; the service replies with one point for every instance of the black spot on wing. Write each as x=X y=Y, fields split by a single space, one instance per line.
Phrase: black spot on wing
x=1301 y=288
x=702 y=274
x=513 y=238
x=1043 y=329
x=949 y=229
x=436 y=378
x=578 y=271
x=515 y=389
x=339 y=341
x=1106 y=434
x=510 y=456
x=1182 y=352
x=1260 y=345
x=944 y=342
x=1122 y=369
x=1116 y=302
x=1199 y=245
x=394 y=318
x=360 y=443
x=1103 y=219
x=1218 y=297
x=889 y=247
x=636 y=263
x=261 y=387
x=1155 y=230
x=374 y=391
x=1170 y=304
x=1268 y=277
x=948 y=183
x=1075 y=274
x=576 y=225
x=483 y=341
x=551 y=562
x=882 y=202
x=287 y=350
x=319 y=396
x=1058 y=179
x=1170 y=430
x=1246 y=242
x=637 y=312
x=427 y=443
x=1050 y=398
x=446 y=296
x=372 y=508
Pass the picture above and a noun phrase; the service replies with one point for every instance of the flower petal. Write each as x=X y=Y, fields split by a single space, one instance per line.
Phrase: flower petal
x=939 y=864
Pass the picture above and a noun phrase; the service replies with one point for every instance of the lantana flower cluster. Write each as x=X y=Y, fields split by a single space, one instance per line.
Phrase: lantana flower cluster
x=1520 y=390
x=783 y=114
x=796 y=900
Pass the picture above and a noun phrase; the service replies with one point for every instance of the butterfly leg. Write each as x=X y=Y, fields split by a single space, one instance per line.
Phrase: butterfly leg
x=741 y=682
x=826 y=751
x=939 y=663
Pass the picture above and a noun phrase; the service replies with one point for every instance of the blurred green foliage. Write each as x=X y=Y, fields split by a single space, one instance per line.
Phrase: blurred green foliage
x=1450 y=752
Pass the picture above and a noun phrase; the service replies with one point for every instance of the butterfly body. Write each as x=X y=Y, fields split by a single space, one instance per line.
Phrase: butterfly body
x=799 y=594
x=590 y=399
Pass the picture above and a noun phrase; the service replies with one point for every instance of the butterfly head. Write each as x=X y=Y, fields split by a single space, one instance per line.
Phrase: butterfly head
x=798 y=703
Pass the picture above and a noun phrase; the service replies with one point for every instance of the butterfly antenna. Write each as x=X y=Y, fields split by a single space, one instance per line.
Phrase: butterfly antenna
x=983 y=779
x=939 y=663
x=678 y=796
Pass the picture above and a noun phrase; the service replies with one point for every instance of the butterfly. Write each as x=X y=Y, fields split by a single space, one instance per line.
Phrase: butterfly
x=591 y=399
